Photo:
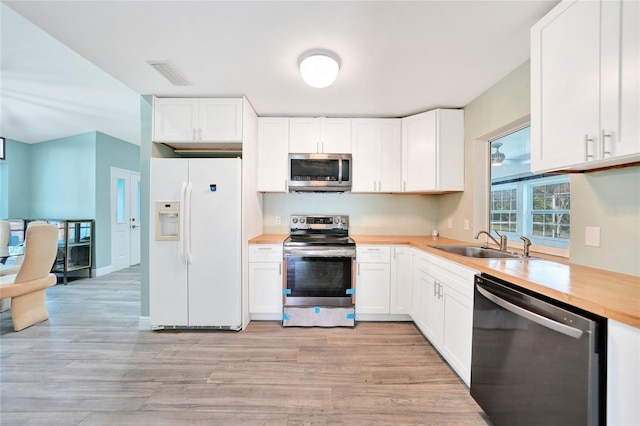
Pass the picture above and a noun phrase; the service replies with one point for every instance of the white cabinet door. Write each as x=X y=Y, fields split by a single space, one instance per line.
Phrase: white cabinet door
x=620 y=79
x=623 y=371
x=585 y=86
x=366 y=140
x=565 y=45
x=373 y=277
x=418 y=152
x=377 y=155
x=390 y=156
x=174 y=119
x=433 y=151
x=265 y=279
x=265 y=288
x=372 y=288
x=320 y=135
x=273 y=150
x=432 y=316
x=400 y=300
x=220 y=120
x=197 y=120
x=457 y=331
x=335 y=135
x=304 y=135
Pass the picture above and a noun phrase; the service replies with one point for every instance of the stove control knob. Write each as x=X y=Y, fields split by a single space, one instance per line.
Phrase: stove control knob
x=302 y=220
x=344 y=220
x=294 y=220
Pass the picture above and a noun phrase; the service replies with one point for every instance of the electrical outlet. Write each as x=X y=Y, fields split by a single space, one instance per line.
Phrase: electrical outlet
x=278 y=220
x=592 y=236
x=466 y=224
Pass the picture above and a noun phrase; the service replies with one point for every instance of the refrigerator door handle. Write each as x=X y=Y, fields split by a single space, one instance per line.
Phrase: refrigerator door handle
x=187 y=238
x=183 y=192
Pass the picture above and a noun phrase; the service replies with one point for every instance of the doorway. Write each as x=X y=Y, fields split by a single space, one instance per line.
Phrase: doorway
x=125 y=218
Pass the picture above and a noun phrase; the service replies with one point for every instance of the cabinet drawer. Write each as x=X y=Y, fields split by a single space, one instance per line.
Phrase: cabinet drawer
x=265 y=253
x=373 y=254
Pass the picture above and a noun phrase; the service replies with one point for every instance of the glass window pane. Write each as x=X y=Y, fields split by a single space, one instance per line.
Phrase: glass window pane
x=120 y=201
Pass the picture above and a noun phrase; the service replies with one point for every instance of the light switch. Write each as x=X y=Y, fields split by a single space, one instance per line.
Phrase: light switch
x=592 y=236
x=450 y=223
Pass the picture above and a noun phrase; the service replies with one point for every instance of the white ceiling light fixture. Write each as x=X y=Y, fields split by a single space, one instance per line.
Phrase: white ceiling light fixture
x=319 y=68
x=497 y=158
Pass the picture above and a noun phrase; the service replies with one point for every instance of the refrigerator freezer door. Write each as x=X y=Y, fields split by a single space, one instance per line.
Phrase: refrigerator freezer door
x=214 y=221
x=168 y=305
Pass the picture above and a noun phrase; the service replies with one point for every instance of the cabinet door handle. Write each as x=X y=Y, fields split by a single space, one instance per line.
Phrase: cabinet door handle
x=358 y=269
x=587 y=139
x=440 y=290
x=435 y=288
x=604 y=135
x=280 y=269
x=194 y=134
x=379 y=186
x=404 y=185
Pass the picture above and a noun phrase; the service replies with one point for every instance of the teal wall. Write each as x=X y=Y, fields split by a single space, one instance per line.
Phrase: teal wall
x=110 y=152
x=66 y=178
x=63 y=178
x=15 y=180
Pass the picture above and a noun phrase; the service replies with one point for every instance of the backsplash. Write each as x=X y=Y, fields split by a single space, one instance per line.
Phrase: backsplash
x=368 y=213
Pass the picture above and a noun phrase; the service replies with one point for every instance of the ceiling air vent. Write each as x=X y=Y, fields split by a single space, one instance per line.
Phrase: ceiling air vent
x=165 y=68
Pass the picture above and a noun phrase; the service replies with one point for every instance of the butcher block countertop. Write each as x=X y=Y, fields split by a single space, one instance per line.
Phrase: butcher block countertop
x=609 y=294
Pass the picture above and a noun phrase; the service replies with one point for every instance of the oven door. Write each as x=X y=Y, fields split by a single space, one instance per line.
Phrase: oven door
x=314 y=280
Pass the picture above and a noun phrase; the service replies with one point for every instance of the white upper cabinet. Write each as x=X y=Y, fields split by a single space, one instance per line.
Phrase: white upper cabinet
x=585 y=86
x=273 y=150
x=433 y=151
x=181 y=121
x=320 y=135
x=377 y=155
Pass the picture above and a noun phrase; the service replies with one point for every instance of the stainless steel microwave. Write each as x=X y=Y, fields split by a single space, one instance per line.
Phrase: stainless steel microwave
x=319 y=172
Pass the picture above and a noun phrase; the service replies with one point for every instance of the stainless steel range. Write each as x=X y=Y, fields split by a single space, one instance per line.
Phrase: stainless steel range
x=319 y=257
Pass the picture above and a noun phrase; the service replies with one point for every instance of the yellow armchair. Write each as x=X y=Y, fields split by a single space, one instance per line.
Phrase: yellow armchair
x=28 y=288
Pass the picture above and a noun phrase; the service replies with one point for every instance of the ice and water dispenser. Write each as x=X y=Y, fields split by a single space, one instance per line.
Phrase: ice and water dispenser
x=167 y=220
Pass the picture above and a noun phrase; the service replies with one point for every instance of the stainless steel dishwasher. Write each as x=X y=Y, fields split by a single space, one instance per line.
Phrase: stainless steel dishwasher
x=536 y=361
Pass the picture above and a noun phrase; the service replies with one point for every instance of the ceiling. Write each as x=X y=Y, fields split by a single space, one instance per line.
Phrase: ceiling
x=75 y=64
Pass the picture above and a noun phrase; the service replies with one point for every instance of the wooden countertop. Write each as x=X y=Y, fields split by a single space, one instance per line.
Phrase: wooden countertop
x=609 y=294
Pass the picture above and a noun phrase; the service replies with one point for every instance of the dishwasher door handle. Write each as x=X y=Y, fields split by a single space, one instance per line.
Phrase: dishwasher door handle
x=532 y=316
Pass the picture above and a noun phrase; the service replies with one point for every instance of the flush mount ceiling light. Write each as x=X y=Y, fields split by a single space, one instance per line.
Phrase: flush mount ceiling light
x=497 y=158
x=319 y=68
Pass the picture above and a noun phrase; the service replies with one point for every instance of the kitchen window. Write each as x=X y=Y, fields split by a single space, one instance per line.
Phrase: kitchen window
x=523 y=203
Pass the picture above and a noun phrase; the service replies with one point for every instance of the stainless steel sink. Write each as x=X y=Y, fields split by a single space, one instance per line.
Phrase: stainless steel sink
x=478 y=252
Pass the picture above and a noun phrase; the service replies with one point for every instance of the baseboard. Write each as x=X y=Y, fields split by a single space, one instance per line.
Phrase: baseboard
x=98 y=272
x=144 y=324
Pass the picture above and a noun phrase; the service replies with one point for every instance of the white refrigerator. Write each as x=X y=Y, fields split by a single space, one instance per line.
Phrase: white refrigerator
x=195 y=243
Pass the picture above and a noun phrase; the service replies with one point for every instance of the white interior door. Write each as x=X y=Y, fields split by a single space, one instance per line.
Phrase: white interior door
x=125 y=212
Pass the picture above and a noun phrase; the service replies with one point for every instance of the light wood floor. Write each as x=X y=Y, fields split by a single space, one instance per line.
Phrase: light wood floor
x=89 y=365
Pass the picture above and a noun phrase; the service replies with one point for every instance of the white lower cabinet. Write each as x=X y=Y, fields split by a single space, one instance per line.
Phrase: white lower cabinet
x=373 y=279
x=383 y=286
x=623 y=374
x=400 y=288
x=443 y=308
x=265 y=281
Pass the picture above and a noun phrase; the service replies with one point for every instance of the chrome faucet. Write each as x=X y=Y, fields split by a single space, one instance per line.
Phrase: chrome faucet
x=527 y=244
x=503 y=239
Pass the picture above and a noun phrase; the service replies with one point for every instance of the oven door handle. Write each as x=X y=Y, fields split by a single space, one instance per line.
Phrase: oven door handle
x=318 y=252
x=532 y=316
